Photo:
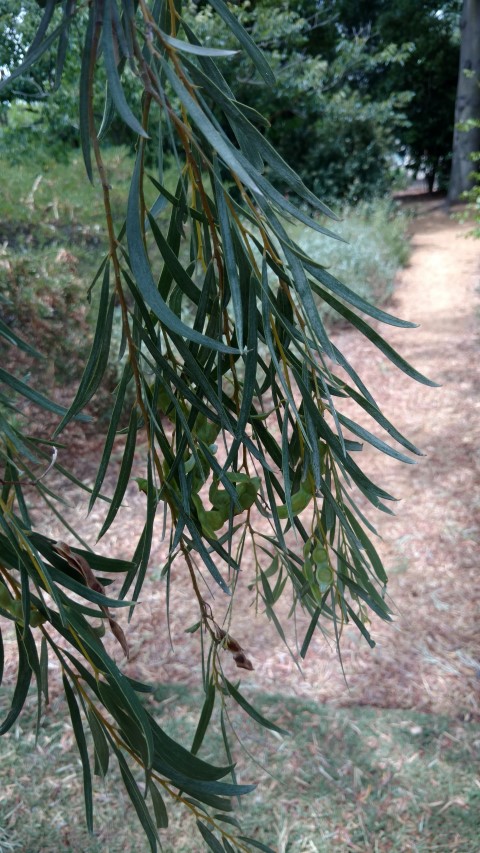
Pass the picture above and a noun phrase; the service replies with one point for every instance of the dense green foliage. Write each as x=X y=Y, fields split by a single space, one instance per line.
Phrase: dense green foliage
x=322 y=114
x=429 y=32
x=361 y=87
x=51 y=220
x=229 y=387
x=472 y=196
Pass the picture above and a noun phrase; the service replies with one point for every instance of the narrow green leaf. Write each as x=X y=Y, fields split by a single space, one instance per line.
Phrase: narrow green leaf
x=217 y=139
x=63 y=42
x=82 y=748
x=303 y=289
x=255 y=715
x=124 y=473
x=114 y=83
x=100 y=744
x=98 y=562
x=372 y=599
x=367 y=543
x=111 y=433
x=344 y=292
x=85 y=93
x=35 y=396
x=209 y=66
x=361 y=627
x=310 y=632
x=245 y=40
x=229 y=254
x=373 y=440
x=177 y=756
x=60 y=578
x=98 y=357
x=197 y=50
x=126 y=695
x=204 y=718
x=175 y=268
x=257 y=844
x=159 y=808
x=10 y=336
x=209 y=838
x=200 y=547
x=31 y=58
x=144 y=277
x=372 y=409
x=152 y=502
x=137 y=800
x=109 y=113
x=226 y=744
x=49 y=8
x=374 y=337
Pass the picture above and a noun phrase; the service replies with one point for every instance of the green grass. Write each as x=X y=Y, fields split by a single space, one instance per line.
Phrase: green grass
x=356 y=779
x=51 y=221
x=376 y=247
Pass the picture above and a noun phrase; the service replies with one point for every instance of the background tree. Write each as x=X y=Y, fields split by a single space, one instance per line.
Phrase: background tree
x=428 y=71
x=322 y=113
x=229 y=378
x=466 y=139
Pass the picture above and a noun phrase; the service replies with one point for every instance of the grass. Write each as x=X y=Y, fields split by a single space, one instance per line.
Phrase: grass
x=51 y=222
x=356 y=779
x=376 y=247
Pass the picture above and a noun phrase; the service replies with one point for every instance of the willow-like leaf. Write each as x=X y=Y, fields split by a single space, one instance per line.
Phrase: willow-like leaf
x=245 y=40
x=82 y=748
x=251 y=711
x=24 y=677
x=144 y=277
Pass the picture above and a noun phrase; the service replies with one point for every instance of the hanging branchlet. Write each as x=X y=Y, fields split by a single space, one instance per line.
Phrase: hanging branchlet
x=254 y=421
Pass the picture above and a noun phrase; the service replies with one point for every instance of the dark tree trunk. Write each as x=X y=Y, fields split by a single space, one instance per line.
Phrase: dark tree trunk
x=467 y=104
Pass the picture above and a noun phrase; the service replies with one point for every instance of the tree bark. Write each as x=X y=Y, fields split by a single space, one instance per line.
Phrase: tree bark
x=467 y=104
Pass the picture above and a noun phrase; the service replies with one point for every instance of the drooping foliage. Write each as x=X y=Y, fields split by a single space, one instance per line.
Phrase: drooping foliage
x=229 y=379
x=323 y=114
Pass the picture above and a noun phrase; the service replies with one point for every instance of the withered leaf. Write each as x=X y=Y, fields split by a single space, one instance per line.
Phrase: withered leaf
x=76 y=561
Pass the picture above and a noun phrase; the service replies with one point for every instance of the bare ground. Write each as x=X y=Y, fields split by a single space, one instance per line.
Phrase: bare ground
x=429 y=659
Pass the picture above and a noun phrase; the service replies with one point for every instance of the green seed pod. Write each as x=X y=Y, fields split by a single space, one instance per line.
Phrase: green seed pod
x=300 y=501
x=247 y=492
x=324 y=575
x=37 y=618
x=319 y=555
x=308 y=572
x=307 y=548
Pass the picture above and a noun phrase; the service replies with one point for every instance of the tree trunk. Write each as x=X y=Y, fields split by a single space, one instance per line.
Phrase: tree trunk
x=467 y=104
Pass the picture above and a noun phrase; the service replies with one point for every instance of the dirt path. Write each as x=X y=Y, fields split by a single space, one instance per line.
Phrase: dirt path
x=431 y=658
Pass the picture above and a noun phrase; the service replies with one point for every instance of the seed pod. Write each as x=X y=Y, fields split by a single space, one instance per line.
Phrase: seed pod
x=232 y=645
x=319 y=555
x=300 y=501
x=242 y=661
